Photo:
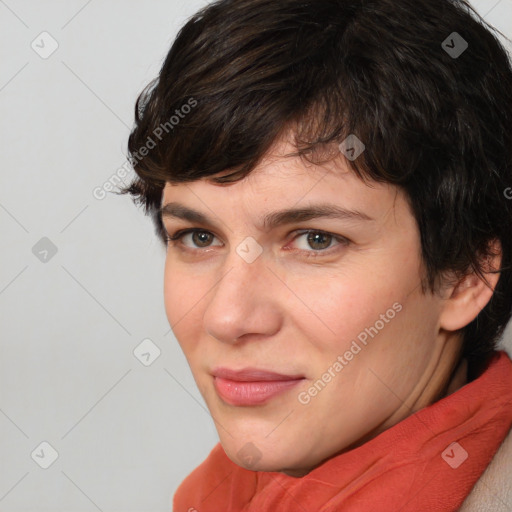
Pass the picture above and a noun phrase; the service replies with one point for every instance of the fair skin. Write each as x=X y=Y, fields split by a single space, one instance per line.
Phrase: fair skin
x=294 y=315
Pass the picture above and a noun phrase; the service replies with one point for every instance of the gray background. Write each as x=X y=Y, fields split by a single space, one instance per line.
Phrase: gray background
x=126 y=434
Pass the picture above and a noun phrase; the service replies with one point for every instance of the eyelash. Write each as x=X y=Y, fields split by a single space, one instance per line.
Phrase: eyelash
x=177 y=236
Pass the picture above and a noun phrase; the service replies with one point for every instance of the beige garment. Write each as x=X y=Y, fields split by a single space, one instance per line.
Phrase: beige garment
x=493 y=491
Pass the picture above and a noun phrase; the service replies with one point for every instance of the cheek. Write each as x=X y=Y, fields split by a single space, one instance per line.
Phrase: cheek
x=172 y=290
x=370 y=311
x=334 y=307
x=182 y=299
x=397 y=348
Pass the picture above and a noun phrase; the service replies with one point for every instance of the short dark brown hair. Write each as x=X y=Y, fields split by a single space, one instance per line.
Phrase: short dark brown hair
x=435 y=123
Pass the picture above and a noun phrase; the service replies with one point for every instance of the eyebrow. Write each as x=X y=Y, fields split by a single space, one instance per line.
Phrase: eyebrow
x=271 y=220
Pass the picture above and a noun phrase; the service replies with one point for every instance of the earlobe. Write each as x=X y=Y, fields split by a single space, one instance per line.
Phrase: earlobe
x=471 y=293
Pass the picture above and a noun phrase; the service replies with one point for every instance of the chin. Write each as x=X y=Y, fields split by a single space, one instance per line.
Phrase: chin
x=261 y=456
x=253 y=464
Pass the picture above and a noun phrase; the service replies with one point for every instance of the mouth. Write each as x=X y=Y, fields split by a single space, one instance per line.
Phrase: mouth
x=251 y=386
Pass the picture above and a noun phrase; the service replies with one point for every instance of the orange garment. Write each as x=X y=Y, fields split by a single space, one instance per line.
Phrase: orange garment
x=409 y=467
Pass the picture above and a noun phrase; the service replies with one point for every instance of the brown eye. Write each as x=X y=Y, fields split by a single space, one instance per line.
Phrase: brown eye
x=319 y=241
x=201 y=238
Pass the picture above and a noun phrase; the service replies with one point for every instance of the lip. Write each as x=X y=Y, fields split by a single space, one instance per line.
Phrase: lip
x=251 y=386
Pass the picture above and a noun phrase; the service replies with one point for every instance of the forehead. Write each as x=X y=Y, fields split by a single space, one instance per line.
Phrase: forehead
x=282 y=180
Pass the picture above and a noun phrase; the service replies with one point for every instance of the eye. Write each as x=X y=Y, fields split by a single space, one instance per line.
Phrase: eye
x=200 y=238
x=320 y=241
x=316 y=240
x=315 y=243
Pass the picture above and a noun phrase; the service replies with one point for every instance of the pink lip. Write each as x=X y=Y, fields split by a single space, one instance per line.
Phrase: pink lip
x=251 y=386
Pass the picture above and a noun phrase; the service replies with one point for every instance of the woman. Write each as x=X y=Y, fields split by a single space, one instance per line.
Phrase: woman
x=328 y=177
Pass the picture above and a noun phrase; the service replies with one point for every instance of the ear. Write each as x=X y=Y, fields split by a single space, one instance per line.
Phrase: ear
x=465 y=299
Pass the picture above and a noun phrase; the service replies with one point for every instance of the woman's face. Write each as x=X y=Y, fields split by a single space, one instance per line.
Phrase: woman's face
x=307 y=333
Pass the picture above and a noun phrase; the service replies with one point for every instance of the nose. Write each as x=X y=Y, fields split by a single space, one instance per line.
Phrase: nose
x=245 y=301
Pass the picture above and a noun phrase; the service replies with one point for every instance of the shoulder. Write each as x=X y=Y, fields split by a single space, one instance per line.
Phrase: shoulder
x=493 y=491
